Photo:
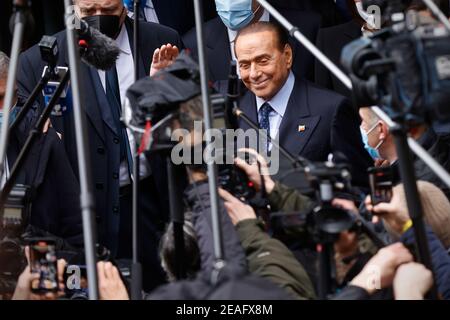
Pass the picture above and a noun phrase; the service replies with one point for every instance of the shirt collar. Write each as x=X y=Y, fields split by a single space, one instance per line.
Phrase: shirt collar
x=149 y=4
x=233 y=33
x=280 y=100
x=122 y=40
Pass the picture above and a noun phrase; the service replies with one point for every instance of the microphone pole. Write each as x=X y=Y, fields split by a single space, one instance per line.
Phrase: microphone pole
x=136 y=267
x=87 y=202
x=212 y=168
x=20 y=8
x=401 y=140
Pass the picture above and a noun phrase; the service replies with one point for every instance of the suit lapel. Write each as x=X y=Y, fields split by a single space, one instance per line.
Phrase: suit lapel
x=248 y=105
x=297 y=125
x=88 y=87
x=102 y=100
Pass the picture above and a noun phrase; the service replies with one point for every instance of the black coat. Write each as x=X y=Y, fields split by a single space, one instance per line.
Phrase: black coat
x=104 y=148
x=217 y=44
x=331 y=41
x=198 y=198
x=179 y=14
x=331 y=126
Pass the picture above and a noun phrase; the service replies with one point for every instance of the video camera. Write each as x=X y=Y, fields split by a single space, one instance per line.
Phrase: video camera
x=16 y=216
x=170 y=100
x=404 y=68
x=321 y=221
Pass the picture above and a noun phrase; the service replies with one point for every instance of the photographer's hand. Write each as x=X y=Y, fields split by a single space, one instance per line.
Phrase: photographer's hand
x=393 y=213
x=253 y=172
x=236 y=209
x=379 y=272
x=23 y=288
x=412 y=281
x=110 y=284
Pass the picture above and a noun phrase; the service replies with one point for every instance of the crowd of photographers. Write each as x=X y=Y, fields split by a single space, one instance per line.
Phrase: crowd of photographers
x=273 y=246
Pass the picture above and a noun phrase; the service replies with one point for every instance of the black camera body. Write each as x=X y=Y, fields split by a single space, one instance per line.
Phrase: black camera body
x=322 y=222
x=15 y=218
x=404 y=68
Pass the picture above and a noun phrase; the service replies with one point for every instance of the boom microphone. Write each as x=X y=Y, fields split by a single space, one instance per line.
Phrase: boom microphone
x=97 y=50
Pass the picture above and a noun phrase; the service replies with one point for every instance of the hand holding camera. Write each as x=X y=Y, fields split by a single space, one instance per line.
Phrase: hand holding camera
x=28 y=285
x=257 y=170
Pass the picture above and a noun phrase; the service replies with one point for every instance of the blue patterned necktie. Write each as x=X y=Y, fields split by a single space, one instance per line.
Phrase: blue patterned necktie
x=264 y=123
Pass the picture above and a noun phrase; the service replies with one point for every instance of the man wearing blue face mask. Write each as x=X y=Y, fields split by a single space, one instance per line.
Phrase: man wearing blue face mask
x=236 y=14
x=379 y=143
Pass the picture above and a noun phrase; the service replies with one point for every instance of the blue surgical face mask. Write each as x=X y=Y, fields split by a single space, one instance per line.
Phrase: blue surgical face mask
x=129 y=4
x=235 y=14
x=365 y=138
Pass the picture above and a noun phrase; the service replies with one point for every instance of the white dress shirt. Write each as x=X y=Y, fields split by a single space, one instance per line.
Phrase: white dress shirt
x=125 y=73
x=279 y=104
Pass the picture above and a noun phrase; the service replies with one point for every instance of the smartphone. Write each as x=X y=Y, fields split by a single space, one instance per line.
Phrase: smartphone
x=43 y=261
x=380 y=180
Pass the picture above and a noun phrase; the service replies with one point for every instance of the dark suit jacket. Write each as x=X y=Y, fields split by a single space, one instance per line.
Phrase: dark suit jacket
x=104 y=148
x=218 y=47
x=331 y=126
x=179 y=14
x=331 y=41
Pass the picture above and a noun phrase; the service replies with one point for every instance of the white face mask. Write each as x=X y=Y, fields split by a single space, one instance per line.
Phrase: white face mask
x=368 y=18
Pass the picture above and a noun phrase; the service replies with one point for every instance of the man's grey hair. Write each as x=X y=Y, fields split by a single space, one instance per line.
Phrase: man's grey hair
x=4 y=65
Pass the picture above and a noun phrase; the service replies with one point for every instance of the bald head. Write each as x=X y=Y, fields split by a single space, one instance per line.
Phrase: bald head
x=368 y=116
x=4 y=65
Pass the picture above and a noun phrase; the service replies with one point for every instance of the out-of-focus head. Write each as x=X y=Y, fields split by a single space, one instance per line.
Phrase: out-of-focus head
x=420 y=6
x=264 y=57
x=191 y=259
x=436 y=208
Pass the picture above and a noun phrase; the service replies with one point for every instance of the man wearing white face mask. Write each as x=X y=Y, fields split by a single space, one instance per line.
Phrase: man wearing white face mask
x=236 y=14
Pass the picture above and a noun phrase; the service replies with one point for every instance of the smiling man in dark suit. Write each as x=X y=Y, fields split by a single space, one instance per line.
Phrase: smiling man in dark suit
x=306 y=120
x=110 y=146
x=220 y=34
